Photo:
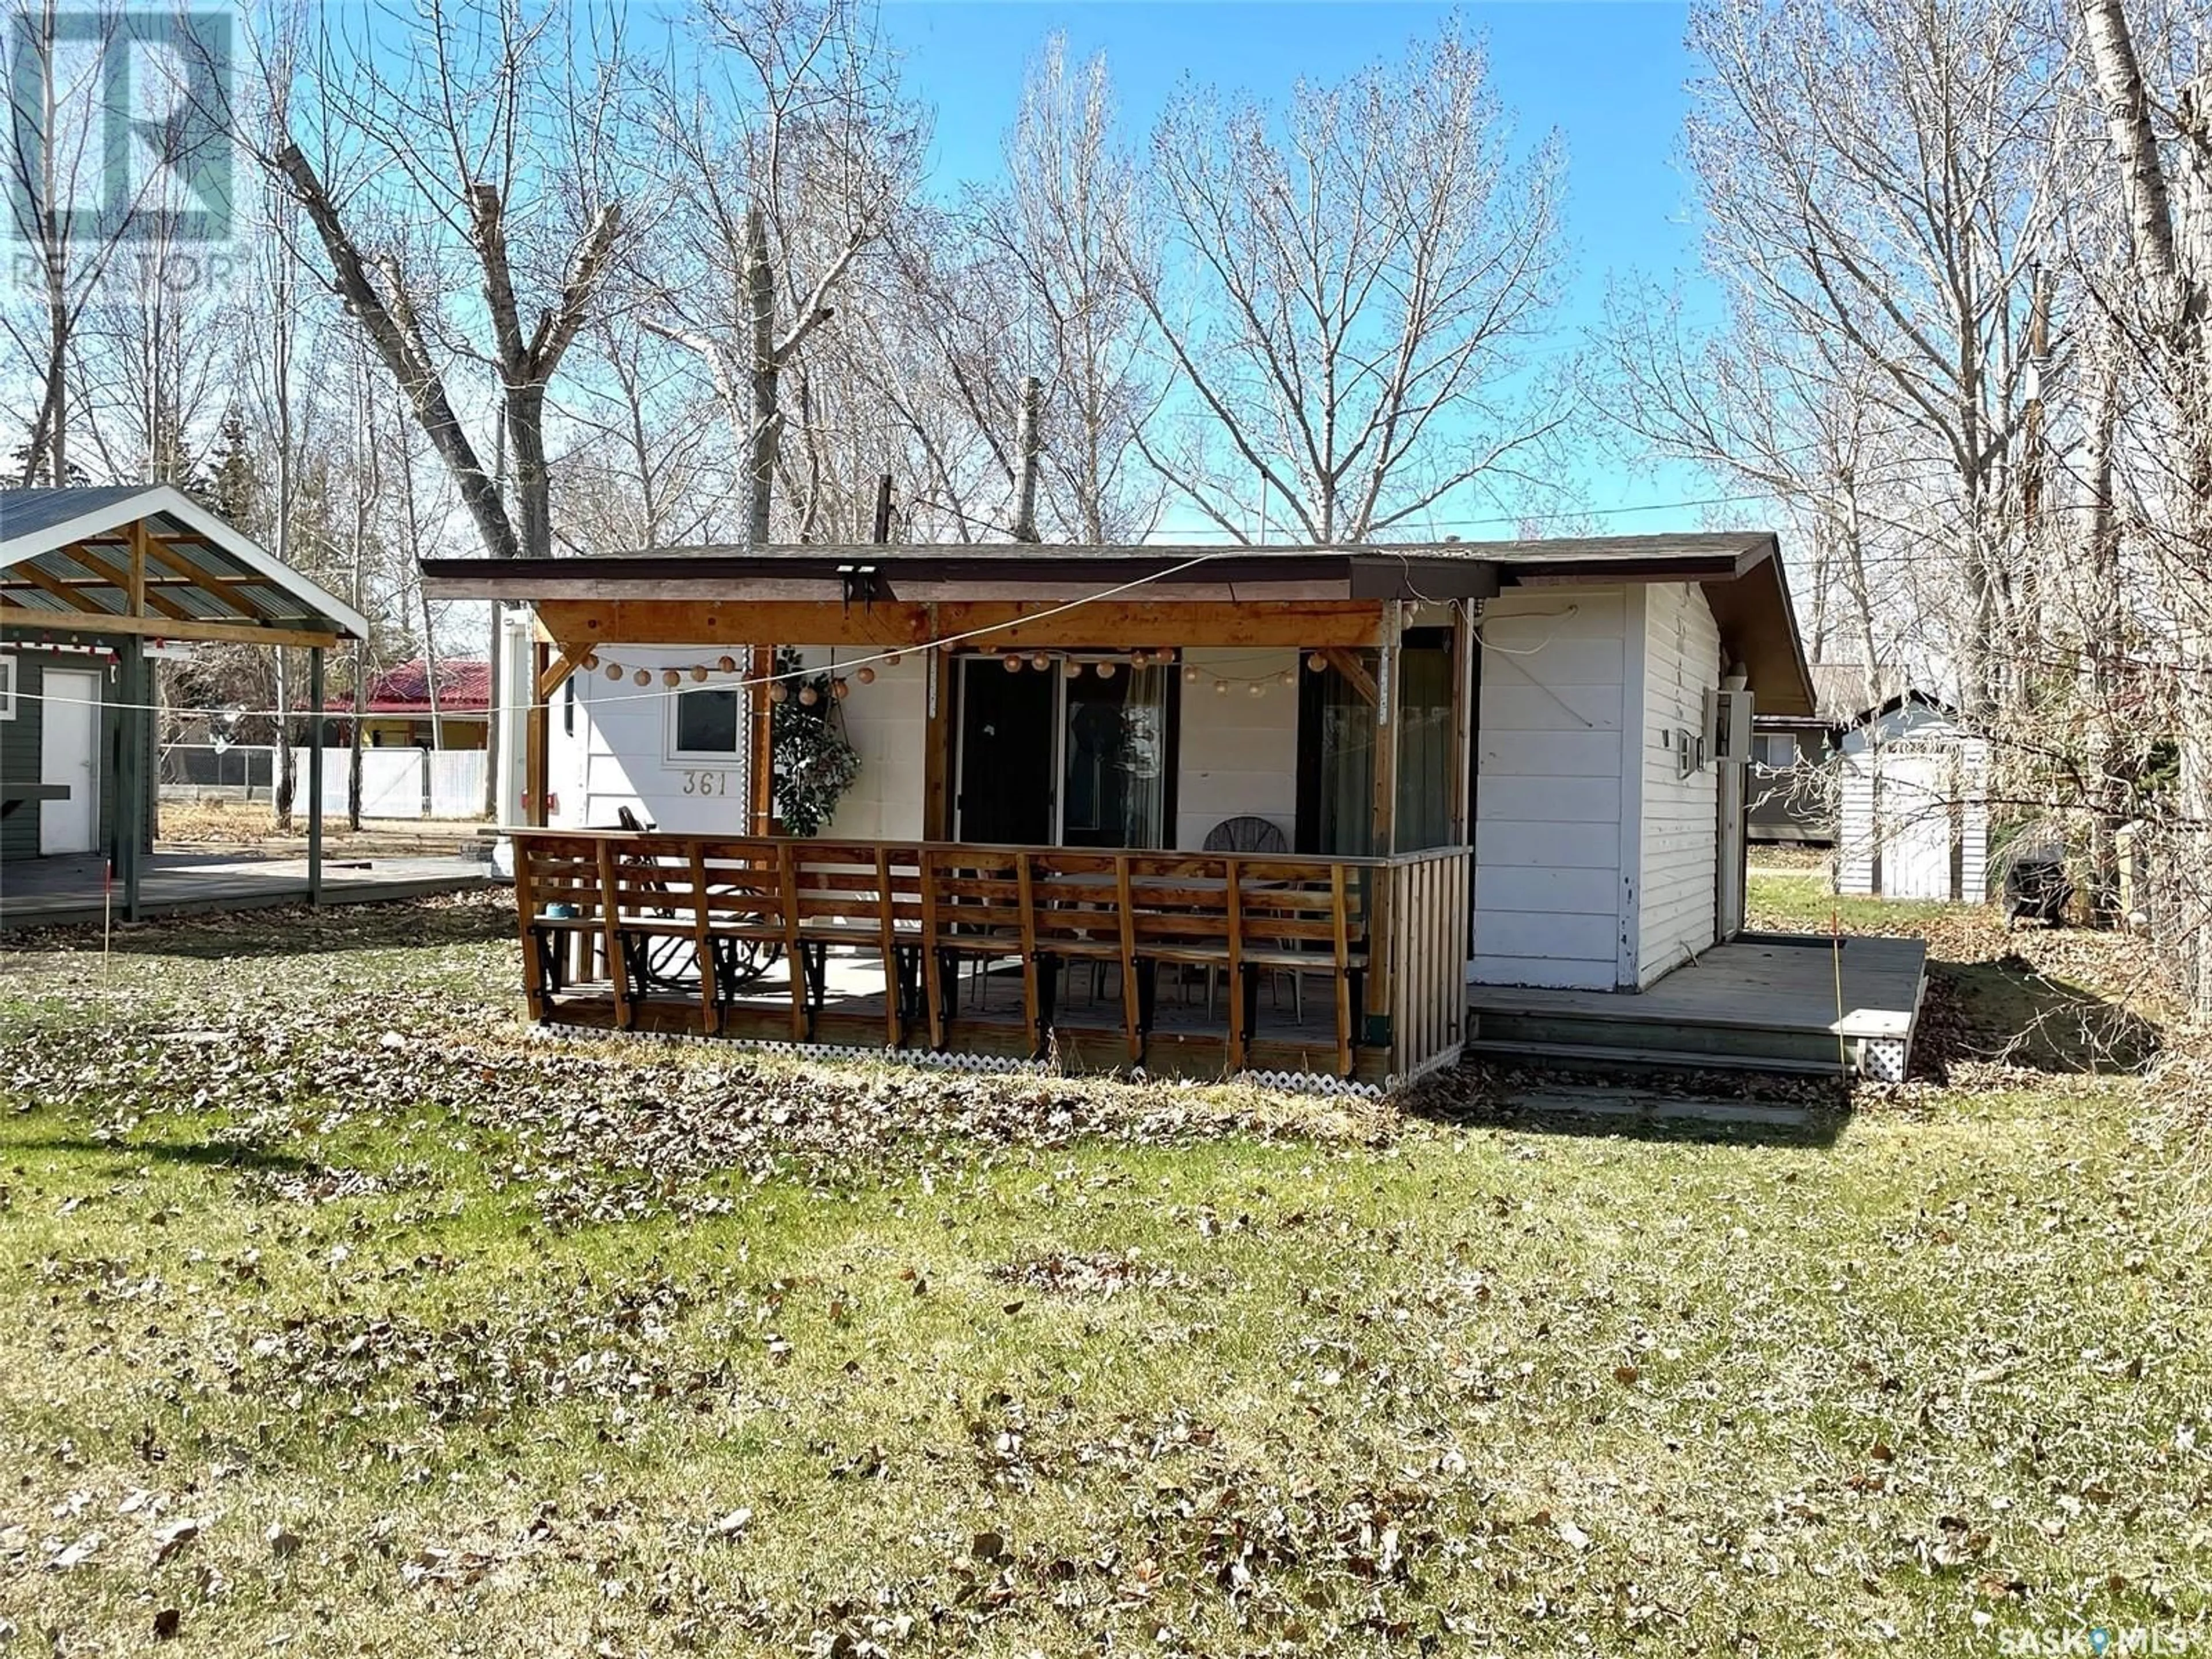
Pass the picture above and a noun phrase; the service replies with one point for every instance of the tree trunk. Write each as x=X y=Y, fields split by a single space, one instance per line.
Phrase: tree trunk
x=760 y=460
x=1028 y=444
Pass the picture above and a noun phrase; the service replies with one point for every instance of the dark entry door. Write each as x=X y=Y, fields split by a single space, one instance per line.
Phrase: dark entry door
x=1006 y=754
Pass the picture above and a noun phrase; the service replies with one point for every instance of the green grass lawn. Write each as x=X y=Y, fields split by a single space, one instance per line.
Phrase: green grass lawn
x=341 y=1316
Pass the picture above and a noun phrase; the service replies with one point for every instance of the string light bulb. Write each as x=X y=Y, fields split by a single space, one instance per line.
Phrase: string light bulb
x=867 y=675
x=1257 y=688
x=1041 y=661
x=840 y=689
x=778 y=691
x=1140 y=660
x=1315 y=662
x=591 y=660
x=1106 y=670
x=1072 y=668
x=614 y=671
x=1221 y=687
x=698 y=671
x=1013 y=662
x=891 y=661
x=1190 y=677
x=727 y=664
x=809 y=695
x=643 y=676
x=1286 y=677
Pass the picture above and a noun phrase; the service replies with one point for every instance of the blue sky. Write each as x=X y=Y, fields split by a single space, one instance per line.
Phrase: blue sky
x=1609 y=77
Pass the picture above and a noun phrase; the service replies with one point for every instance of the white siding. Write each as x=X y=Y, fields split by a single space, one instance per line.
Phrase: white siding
x=1549 y=802
x=888 y=723
x=618 y=754
x=1680 y=826
x=1239 y=753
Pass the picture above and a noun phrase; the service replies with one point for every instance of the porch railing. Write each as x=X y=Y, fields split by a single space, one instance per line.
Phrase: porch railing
x=1386 y=934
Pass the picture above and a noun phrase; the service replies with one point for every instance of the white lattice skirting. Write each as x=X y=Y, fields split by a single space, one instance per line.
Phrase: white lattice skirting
x=1291 y=1083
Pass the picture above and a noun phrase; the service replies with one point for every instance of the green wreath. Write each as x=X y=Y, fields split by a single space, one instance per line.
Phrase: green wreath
x=812 y=762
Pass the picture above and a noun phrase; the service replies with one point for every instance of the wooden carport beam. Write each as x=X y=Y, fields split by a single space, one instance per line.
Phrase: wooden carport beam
x=221 y=586
x=135 y=591
x=583 y=625
x=162 y=628
x=60 y=589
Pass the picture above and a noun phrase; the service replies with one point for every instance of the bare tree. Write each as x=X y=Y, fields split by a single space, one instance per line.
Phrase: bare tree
x=478 y=132
x=1345 y=298
x=2170 y=325
x=789 y=157
x=1883 y=176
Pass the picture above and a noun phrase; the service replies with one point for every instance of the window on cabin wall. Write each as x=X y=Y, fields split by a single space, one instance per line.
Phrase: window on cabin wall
x=708 y=723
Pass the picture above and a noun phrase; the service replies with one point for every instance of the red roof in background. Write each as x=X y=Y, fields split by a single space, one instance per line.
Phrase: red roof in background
x=464 y=688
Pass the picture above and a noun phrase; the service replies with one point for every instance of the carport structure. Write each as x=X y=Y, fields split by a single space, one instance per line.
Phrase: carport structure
x=90 y=579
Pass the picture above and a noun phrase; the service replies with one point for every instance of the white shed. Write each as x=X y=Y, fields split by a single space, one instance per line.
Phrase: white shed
x=1914 y=822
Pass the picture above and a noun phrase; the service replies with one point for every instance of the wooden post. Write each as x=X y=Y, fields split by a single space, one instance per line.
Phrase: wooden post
x=536 y=735
x=937 y=746
x=1383 y=965
x=315 y=774
x=762 y=664
x=130 y=828
x=1466 y=720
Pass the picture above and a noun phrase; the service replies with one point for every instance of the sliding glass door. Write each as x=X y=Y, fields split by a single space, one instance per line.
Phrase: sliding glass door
x=1337 y=733
x=1051 y=756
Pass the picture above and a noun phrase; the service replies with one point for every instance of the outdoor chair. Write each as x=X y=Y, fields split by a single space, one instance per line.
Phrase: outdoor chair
x=1252 y=835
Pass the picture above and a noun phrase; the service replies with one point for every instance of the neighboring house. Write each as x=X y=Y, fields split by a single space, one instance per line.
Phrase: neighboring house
x=1914 y=821
x=1548 y=710
x=400 y=714
x=1792 y=782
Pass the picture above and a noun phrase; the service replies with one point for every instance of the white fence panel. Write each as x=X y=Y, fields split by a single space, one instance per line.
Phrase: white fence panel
x=391 y=781
x=457 y=783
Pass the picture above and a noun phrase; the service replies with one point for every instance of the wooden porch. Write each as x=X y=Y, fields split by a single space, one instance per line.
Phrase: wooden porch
x=1191 y=964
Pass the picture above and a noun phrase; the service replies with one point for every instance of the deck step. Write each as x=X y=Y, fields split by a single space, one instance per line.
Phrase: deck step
x=1609 y=1057
x=1689 y=1041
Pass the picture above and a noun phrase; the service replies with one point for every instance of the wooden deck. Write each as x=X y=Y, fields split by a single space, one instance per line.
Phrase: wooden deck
x=1762 y=1002
x=62 y=892
x=655 y=932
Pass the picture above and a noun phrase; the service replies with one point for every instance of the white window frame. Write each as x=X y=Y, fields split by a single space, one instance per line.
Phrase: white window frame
x=8 y=669
x=729 y=757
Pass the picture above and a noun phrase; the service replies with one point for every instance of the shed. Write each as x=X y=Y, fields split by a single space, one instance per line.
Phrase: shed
x=1914 y=821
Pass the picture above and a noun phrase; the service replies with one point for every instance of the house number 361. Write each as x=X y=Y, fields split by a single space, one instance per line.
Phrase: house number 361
x=705 y=783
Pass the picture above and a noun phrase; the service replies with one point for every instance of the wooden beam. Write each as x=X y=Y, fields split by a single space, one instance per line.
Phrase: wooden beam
x=554 y=675
x=582 y=625
x=230 y=592
x=1464 y=714
x=537 y=735
x=59 y=588
x=1352 y=670
x=761 y=712
x=131 y=583
x=939 y=674
x=135 y=586
x=162 y=628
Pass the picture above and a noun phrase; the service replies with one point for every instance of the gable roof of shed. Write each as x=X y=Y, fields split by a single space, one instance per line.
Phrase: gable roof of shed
x=209 y=571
